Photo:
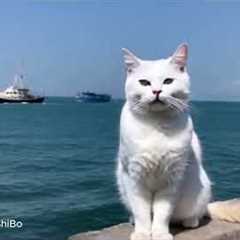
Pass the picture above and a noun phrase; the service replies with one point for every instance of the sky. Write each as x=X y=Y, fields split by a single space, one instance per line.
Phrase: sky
x=68 y=46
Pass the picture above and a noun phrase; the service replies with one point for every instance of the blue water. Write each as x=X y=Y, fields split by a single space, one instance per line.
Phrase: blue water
x=57 y=164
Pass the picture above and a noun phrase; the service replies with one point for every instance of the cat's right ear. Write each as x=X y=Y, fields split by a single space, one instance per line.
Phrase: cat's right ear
x=131 y=61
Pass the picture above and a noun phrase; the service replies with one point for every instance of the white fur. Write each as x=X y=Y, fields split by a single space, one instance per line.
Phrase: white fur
x=160 y=174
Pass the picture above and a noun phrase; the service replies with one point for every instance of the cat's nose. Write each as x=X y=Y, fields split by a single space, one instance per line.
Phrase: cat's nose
x=156 y=92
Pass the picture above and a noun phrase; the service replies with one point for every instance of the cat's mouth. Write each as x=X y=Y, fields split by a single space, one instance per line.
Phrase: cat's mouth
x=157 y=101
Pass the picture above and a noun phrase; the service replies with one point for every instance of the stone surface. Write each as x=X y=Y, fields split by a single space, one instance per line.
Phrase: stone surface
x=209 y=230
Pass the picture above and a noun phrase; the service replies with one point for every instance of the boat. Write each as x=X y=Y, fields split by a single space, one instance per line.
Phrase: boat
x=17 y=93
x=93 y=97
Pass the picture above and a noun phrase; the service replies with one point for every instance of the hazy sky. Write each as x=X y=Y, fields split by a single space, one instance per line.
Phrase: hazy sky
x=67 y=46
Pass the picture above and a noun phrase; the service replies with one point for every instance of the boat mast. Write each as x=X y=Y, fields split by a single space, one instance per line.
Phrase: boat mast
x=18 y=81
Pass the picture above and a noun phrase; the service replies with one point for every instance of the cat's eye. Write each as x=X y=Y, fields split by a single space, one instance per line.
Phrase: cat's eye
x=144 y=82
x=168 y=81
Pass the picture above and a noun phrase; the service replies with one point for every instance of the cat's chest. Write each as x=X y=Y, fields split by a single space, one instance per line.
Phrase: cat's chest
x=153 y=142
x=155 y=151
x=157 y=141
x=158 y=159
x=159 y=148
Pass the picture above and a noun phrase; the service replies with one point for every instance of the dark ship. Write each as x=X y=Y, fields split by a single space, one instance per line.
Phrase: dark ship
x=93 y=97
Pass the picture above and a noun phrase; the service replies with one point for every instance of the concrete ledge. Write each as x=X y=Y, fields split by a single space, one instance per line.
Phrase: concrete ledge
x=209 y=230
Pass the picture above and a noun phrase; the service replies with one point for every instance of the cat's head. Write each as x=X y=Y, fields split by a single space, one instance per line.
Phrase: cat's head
x=159 y=85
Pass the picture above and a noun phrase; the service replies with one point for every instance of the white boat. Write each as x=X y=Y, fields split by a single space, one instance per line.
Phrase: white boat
x=17 y=93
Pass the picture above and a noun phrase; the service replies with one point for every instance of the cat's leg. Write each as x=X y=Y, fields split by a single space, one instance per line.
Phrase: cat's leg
x=195 y=191
x=141 y=209
x=163 y=205
x=194 y=195
x=138 y=201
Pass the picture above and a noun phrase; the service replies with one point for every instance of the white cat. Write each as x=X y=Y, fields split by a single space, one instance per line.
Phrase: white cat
x=160 y=173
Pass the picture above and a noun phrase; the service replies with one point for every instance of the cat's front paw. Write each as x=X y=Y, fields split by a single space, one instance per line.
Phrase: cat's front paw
x=140 y=236
x=162 y=236
x=191 y=223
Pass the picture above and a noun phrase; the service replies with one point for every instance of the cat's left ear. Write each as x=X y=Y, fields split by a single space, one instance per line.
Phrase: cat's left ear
x=131 y=61
x=180 y=56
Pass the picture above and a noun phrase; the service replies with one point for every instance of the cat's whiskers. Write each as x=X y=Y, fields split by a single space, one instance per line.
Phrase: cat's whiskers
x=137 y=106
x=182 y=102
x=177 y=104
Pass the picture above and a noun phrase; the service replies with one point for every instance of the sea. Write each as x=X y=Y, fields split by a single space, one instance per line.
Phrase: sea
x=58 y=159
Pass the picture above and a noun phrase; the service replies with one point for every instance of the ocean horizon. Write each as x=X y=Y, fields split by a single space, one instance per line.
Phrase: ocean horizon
x=53 y=98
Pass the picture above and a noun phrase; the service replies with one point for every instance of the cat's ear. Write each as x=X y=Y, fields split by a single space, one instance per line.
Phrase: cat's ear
x=180 y=56
x=131 y=61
